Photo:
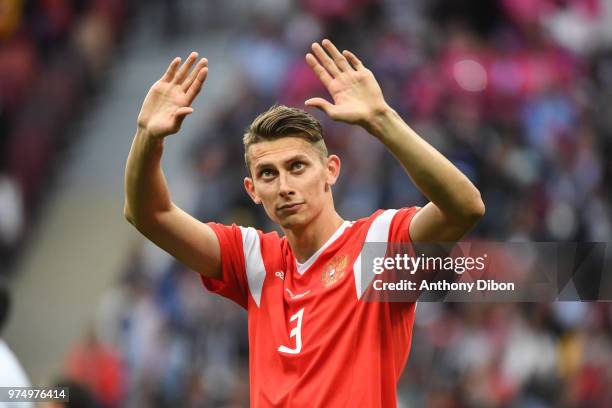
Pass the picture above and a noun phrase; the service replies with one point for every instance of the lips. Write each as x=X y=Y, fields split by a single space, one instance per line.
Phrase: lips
x=289 y=206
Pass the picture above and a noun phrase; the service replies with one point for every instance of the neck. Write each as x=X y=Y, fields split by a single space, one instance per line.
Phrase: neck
x=305 y=241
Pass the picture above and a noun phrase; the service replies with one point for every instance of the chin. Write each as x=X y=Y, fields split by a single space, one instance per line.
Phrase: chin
x=294 y=221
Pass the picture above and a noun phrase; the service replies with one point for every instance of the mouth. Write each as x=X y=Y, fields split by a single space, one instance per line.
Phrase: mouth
x=290 y=207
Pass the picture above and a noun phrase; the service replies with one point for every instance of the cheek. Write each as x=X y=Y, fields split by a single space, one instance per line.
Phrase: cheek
x=268 y=203
x=263 y=193
x=316 y=185
x=267 y=195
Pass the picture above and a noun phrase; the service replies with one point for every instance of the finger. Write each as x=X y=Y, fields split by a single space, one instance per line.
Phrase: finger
x=184 y=70
x=339 y=59
x=325 y=60
x=184 y=111
x=196 y=86
x=318 y=69
x=355 y=62
x=169 y=74
x=180 y=115
x=194 y=73
x=321 y=104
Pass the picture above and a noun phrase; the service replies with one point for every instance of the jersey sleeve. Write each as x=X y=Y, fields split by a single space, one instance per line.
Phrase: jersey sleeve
x=233 y=283
x=399 y=230
x=384 y=226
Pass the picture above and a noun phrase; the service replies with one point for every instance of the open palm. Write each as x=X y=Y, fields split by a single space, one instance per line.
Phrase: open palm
x=356 y=93
x=169 y=100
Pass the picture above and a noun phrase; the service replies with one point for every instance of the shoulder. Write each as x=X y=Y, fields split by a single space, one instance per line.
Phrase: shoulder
x=384 y=224
x=248 y=243
x=382 y=217
x=233 y=233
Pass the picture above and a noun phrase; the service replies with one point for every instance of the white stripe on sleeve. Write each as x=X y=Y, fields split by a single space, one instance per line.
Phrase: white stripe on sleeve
x=255 y=269
x=378 y=232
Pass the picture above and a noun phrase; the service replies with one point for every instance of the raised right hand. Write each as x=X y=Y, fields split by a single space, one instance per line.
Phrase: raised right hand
x=169 y=99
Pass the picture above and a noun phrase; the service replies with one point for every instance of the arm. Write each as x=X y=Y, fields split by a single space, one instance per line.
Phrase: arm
x=455 y=204
x=148 y=206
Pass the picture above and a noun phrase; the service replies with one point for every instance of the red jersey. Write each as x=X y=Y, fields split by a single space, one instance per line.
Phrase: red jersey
x=312 y=341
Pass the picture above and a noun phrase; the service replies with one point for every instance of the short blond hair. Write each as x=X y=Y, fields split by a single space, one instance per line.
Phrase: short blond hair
x=283 y=121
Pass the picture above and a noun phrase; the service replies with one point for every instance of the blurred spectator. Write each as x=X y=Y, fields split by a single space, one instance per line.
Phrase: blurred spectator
x=52 y=53
x=11 y=215
x=11 y=372
x=98 y=367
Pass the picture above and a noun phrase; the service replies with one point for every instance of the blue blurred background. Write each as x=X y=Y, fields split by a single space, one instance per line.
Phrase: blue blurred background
x=517 y=93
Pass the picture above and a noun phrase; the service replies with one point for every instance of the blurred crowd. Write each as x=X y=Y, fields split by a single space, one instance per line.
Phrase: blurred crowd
x=516 y=93
x=53 y=54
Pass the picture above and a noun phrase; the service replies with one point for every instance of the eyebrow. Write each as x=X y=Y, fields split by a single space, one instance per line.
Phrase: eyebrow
x=297 y=157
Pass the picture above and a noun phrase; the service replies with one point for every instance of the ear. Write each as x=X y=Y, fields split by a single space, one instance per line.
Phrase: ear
x=333 y=169
x=250 y=189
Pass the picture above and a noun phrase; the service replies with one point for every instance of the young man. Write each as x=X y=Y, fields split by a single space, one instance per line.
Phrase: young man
x=313 y=342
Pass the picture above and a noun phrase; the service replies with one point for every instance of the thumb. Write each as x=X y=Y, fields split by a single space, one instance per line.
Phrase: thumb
x=321 y=104
x=181 y=114
x=184 y=111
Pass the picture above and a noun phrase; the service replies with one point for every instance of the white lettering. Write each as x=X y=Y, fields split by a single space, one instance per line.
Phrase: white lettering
x=490 y=284
x=295 y=332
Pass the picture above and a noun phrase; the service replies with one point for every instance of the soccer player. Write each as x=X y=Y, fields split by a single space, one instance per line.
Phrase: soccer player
x=313 y=341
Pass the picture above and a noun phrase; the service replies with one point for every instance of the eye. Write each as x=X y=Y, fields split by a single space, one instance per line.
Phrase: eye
x=297 y=165
x=266 y=173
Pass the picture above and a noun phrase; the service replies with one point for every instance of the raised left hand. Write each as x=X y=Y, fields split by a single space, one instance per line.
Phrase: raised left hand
x=357 y=96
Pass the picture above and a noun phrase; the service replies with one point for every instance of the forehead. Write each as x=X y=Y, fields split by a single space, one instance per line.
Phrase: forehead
x=280 y=150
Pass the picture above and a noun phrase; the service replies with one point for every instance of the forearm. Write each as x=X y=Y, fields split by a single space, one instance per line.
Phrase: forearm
x=146 y=191
x=435 y=176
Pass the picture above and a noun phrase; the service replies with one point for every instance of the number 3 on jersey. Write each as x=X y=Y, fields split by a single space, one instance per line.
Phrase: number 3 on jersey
x=295 y=332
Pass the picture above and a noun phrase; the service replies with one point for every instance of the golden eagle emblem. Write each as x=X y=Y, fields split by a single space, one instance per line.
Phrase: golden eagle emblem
x=333 y=271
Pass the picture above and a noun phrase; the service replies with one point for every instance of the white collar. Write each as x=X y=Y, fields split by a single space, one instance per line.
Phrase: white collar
x=302 y=267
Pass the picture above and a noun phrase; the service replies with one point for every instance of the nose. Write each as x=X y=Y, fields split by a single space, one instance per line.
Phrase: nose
x=284 y=189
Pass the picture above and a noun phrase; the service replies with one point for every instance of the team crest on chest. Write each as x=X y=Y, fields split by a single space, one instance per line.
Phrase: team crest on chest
x=333 y=271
